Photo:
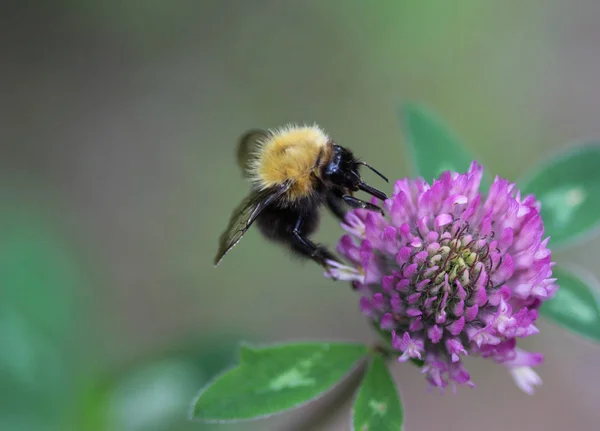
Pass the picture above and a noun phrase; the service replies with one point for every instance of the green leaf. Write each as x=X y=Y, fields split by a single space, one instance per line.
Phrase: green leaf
x=576 y=305
x=568 y=186
x=433 y=147
x=377 y=406
x=275 y=378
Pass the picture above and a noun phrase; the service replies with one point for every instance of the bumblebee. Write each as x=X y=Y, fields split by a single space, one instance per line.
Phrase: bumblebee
x=294 y=171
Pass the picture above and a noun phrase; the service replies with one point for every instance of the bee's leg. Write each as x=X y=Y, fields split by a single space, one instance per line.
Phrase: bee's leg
x=337 y=205
x=308 y=248
x=357 y=203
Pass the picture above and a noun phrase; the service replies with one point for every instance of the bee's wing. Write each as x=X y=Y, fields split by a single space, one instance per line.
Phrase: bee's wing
x=244 y=215
x=249 y=142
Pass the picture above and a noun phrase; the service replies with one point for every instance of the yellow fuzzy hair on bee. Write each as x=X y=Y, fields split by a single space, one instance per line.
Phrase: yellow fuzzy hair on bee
x=290 y=154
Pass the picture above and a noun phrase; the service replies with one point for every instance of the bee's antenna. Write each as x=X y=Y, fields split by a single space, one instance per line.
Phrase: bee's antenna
x=374 y=170
x=372 y=191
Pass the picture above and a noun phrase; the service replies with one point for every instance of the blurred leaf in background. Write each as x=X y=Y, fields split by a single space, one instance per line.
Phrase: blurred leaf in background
x=576 y=306
x=40 y=389
x=568 y=186
x=433 y=147
x=38 y=278
x=155 y=392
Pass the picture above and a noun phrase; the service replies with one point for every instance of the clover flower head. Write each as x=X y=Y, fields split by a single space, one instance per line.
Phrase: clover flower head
x=451 y=272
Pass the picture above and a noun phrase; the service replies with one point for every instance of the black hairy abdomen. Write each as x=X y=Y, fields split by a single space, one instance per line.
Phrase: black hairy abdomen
x=277 y=222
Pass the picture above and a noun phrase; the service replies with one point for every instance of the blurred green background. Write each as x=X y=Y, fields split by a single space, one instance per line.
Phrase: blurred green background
x=118 y=124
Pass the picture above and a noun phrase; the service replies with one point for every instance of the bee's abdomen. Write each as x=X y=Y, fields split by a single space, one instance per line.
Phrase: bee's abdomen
x=277 y=223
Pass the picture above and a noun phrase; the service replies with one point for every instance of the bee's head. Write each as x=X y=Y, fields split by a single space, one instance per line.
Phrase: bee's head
x=342 y=171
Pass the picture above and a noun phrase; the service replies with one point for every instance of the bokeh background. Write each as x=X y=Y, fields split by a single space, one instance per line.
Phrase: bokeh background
x=118 y=124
